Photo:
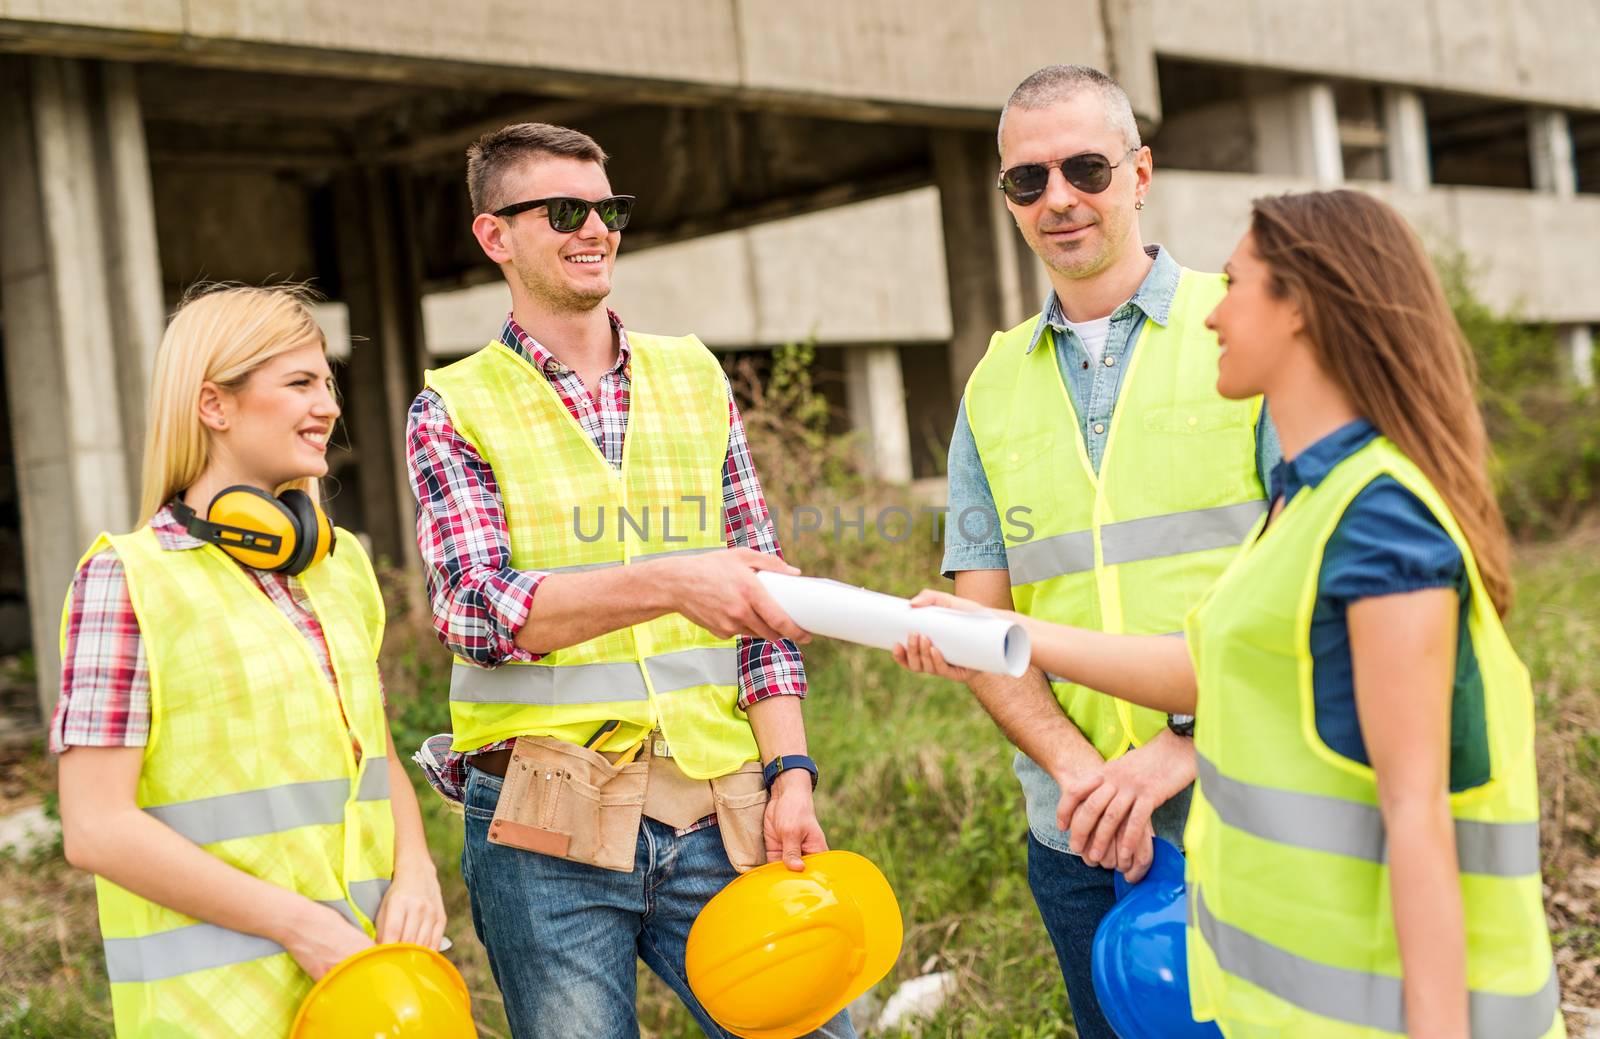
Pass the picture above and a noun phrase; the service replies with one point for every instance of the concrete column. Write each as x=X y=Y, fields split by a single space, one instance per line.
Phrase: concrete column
x=987 y=264
x=1578 y=341
x=1297 y=134
x=1550 y=152
x=876 y=392
x=1405 y=127
x=133 y=260
x=80 y=290
x=378 y=280
x=1129 y=30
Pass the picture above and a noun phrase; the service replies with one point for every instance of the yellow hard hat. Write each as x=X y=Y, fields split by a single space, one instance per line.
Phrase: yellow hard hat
x=395 y=990
x=777 y=953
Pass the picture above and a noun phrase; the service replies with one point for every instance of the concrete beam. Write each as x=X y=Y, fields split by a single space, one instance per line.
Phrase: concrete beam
x=1405 y=127
x=823 y=199
x=828 y=57
x=1536 y=51
x=1550 y=153
x=83 y=312
x=871 y=272
x=1550 y=275
x=876 y=392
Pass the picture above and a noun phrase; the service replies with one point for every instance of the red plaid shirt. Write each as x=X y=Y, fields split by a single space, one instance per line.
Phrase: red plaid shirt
x=105 y=680
x=480 y=601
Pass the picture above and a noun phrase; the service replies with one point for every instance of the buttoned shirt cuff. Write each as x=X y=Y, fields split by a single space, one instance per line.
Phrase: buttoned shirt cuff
x=768 y=669
x=507 y=600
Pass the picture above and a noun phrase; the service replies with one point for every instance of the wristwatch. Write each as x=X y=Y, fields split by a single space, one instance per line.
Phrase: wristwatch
x=1182 y=724
x=782 y=763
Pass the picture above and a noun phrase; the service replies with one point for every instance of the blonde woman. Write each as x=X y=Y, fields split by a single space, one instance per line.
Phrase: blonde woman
x=1363 y=851
x=226 y=766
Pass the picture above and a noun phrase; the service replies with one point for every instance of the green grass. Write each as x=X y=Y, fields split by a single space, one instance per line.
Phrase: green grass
x=919 y=780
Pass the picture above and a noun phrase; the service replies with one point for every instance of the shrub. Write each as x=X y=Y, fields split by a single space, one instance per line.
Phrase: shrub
x=1545 y=429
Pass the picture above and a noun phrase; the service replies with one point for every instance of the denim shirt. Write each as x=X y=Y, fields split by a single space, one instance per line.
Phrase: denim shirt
x=1094 y=389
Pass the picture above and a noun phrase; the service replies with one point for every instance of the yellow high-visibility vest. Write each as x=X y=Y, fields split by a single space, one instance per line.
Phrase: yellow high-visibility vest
x=248 y=757
x=1291 y=913
x=1130 y=549
x=569 y=510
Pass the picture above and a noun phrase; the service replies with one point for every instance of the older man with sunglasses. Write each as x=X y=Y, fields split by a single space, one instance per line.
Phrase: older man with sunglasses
x=1126 y=483
x=591 y=524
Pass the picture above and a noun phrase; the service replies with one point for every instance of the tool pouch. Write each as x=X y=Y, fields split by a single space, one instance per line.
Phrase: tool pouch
x=569 y=802
x=741 y=801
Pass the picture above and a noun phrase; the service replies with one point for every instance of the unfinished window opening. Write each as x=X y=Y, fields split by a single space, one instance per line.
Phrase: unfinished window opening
x=1205 y=118
x=1363 y=137
x=1478 y=143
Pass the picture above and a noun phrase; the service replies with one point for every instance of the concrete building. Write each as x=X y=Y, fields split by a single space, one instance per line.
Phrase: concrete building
x=822 y=171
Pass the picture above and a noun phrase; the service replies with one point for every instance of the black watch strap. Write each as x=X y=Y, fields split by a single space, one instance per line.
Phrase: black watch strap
x=783 y=763
x=1182 y=724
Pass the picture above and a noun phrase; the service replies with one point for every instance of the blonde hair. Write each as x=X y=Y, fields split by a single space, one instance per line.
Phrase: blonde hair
x=221 y=334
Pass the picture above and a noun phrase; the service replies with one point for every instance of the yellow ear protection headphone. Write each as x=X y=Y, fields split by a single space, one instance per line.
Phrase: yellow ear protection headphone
x=289 y=532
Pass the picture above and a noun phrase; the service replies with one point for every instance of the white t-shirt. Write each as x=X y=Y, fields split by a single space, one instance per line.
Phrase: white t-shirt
x=1093 y=334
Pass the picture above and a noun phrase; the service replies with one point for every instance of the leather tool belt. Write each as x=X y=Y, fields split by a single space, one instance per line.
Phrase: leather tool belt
x=578 y=804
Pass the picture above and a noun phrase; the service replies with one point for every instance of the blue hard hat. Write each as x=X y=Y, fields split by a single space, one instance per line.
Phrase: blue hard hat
x=1140 y=960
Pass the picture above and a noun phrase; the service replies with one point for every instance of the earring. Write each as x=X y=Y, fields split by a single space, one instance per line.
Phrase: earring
x=1139 y=204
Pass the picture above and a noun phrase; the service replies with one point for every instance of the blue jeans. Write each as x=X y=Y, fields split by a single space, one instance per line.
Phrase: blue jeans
x=562 y=937
x=1072 y=897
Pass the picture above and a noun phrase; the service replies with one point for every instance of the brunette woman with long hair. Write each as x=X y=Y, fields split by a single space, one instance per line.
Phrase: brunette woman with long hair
x=1363 y=847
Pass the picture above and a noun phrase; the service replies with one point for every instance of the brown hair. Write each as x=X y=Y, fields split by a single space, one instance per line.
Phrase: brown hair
x=491 y=155
x=1381 y=328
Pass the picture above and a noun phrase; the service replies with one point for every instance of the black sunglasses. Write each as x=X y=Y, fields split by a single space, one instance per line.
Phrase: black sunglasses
x=1089 y=172
x=567 y=214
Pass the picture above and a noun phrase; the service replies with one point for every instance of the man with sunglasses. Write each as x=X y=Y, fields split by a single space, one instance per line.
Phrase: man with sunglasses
x=591 y=524
x=1126 y=482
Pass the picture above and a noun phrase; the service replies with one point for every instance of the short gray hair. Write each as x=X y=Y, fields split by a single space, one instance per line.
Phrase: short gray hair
x=1054 y=84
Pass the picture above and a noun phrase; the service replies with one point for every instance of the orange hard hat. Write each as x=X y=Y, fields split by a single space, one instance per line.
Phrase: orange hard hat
x=394 y=991
x=777 y=953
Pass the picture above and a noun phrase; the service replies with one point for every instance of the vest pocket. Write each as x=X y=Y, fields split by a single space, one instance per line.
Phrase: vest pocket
x=1021 y=450
x=1201 y=416
x=741 y=800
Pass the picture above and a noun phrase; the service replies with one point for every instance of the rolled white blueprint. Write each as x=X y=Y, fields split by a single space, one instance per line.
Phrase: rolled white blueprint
x=842 y=611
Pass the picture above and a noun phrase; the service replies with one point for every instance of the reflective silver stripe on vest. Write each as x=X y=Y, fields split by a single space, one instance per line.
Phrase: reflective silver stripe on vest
x=374 y=781
x=1130 y=541
x=1368 y=1000
x=546 y=686
x=256 y=812
x=578 y=568
x=713 y=665
x=1176 y=533
x=367 y=895
x=1343 y=827
x=1069 y=553
x=184 y=950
